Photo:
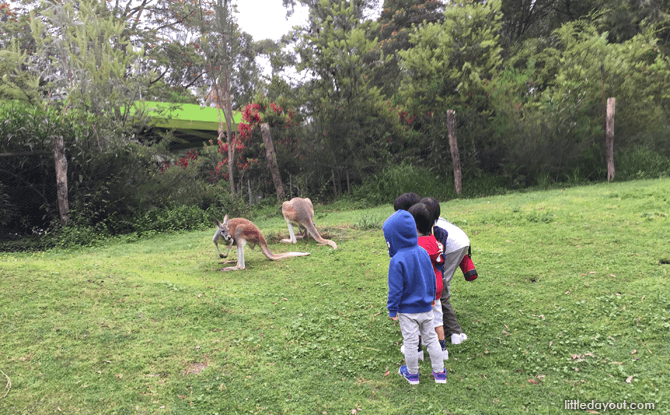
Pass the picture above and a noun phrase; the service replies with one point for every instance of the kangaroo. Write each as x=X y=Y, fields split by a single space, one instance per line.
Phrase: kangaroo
x=242 y=232
x=300 y=212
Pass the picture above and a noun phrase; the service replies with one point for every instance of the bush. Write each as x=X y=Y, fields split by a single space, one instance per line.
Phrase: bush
x=641 y=163
x=385 y=187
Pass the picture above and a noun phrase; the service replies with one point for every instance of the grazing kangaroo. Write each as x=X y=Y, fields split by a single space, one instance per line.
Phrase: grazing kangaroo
x=300 y=212
x=242 y=232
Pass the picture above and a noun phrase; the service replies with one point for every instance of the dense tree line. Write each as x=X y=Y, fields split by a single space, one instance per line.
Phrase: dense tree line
x=527 y=80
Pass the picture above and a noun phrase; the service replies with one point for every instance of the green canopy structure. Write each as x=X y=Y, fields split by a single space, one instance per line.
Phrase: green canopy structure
x=191 y=124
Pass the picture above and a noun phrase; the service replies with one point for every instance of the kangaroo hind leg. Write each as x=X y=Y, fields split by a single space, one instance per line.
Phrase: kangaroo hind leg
x=292 y=238
x=240 y=257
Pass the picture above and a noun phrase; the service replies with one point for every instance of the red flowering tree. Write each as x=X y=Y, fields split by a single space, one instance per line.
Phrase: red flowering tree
x=247 y=141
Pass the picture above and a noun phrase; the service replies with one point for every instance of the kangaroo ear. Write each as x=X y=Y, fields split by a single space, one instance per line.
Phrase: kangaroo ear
x=225 y=219
x=217 y=223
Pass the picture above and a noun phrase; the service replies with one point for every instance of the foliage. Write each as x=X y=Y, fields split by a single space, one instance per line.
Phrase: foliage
x=385 y=187
x=350 y=122
x=549 y=102
x=396 y=22
x=111 y=186
x=86 y=59
x=369 y=98
x=91 y=327
x=642 y=163
x=451 y=62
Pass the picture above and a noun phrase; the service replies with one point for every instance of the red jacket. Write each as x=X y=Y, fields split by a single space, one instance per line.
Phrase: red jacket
x=434 y=249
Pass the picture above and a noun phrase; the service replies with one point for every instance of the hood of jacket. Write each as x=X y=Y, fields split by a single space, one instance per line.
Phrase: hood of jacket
x=400 y=232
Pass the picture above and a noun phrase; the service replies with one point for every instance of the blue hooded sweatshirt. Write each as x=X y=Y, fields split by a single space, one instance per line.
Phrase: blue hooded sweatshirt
x=411 y=278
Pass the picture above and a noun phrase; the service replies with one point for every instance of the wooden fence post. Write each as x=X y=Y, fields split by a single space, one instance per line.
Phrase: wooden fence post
x=453 y=146
x=61 y=179
x=272 y=161
x=609 y=138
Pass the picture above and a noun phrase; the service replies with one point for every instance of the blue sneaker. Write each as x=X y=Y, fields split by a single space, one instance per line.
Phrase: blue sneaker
x=440 y=377
x=412 y=379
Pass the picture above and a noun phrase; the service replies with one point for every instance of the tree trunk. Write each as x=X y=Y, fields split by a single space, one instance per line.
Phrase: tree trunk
x=453 y=146
x=272 y=161
x=61 y=179
x=609 y=138
x=226 y=108
x=348 y=184
x=228 y=113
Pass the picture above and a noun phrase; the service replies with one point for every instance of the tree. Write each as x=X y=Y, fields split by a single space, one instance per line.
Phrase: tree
x=83 y=62
x=16 y=84
x=528 y=19
x=348 y=112
x=93 y=66
x=219 y=46
x=447 y=68
x=547 y=101
x=450 y=62
x=397 y=20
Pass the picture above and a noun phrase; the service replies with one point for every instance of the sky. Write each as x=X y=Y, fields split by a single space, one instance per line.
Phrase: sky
x=266 y=19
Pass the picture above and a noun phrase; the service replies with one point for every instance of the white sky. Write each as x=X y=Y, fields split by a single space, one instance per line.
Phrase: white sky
x=266 y=19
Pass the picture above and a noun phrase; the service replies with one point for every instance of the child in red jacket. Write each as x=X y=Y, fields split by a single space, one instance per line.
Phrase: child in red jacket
x=427 y=241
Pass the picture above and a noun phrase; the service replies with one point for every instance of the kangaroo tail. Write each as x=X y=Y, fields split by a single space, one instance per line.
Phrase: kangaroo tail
x=275 y=257
x=315 y=234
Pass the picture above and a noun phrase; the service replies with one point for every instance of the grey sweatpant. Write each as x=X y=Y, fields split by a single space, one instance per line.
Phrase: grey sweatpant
x=411 y=325
x=451 y=263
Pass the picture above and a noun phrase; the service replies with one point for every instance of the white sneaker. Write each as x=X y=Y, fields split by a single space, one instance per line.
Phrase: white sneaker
x=456 y=338
x=402 y=350
x=464 y=336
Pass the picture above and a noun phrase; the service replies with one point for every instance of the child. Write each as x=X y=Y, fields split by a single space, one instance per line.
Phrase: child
x=427 y=241
x=406 y=201
x=456 y=253
x=412 y=291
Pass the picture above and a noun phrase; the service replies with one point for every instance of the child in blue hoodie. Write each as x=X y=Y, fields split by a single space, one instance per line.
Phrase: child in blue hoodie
x=412 y=291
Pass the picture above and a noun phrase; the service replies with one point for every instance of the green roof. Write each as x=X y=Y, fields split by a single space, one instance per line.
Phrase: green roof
x=185 y=117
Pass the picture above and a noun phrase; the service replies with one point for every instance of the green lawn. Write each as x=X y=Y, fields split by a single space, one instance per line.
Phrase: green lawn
x=571 y=303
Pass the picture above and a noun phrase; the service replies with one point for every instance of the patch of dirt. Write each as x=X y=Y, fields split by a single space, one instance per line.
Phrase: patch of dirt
x=195 y=368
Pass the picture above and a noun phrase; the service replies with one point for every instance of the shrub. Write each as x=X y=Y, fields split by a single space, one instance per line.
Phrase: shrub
x=396 y=180
x=641 y=163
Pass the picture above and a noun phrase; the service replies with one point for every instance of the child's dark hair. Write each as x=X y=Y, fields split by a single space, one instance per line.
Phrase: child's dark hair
x=421 y=216
x=406 y=200
x=433 y=207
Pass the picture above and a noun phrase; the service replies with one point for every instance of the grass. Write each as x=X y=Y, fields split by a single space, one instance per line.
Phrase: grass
x=571 y=303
